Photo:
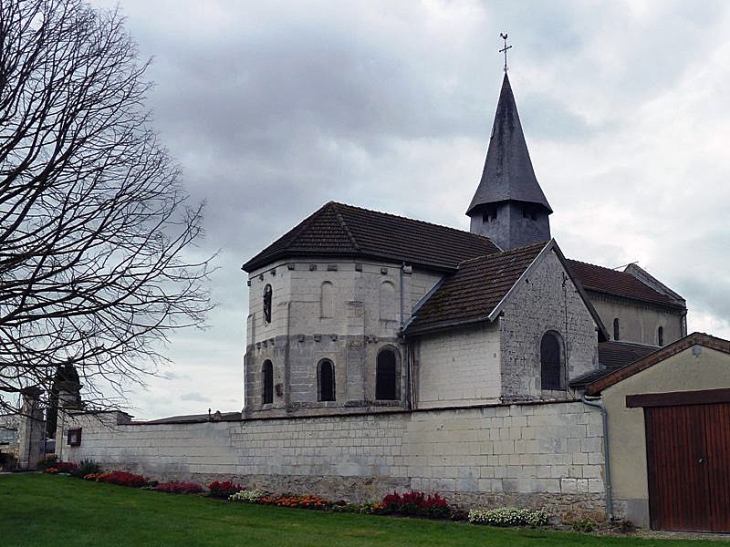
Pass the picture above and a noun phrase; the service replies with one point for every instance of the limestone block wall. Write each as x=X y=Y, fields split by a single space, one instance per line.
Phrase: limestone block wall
x=345 y=311
x=457 y=368
x=554 y=304
x=541 y=455
x=639 y=322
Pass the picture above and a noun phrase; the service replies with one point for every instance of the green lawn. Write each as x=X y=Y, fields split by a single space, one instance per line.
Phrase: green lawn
x=44 y=510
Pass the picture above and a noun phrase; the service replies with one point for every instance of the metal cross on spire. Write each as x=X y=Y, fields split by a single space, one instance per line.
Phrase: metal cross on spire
x=504 y=49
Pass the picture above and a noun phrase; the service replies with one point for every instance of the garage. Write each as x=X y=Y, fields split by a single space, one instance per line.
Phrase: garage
x=688 y=460
x=668 y=443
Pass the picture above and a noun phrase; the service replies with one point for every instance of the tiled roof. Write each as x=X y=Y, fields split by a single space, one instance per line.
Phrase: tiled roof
x=613 y=356
x=621 y=373
x=343 y=230
x=474 y=290
x=622 y=284
x=617 y=354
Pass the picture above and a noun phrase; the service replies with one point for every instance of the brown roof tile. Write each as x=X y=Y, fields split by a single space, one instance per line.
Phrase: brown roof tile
x=337 y=229
x=474 y=290
x=605 y=280
x=612 y=356
x=661 y=354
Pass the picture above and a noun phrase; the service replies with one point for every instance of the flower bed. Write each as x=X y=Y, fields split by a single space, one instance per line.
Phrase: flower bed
x=417 y=503
x=413 y=503
x=509 y=516
x=224 y=490
x=299 y=502
x=176 y=487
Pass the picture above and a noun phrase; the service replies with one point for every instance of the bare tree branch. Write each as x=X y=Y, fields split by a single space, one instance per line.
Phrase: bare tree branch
x=94 y=222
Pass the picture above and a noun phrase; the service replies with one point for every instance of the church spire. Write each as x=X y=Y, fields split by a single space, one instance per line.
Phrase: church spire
x=509 y=206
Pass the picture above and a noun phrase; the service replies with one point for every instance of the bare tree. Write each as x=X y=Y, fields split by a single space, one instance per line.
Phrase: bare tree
x=94 y=223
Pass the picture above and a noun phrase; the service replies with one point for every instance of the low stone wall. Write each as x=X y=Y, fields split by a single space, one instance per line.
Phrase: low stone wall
x=536 y=455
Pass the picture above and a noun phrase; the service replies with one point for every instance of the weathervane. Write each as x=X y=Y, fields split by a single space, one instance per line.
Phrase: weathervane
x=504 y=49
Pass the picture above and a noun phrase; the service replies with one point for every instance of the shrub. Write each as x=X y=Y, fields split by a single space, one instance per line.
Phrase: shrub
x=123 y=478
x=509 y=516
x=175 y=487
x=47 y=461
x=247 y=496
x=585 y=524
x=86 y=467
x=416 y=503
x=224 y=490
x=61 y=467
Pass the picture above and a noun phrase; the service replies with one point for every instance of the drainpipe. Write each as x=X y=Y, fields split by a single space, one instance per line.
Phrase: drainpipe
x=592 y=401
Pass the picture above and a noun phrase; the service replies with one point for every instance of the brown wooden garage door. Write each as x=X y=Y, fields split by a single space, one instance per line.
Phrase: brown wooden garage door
x=688 y=458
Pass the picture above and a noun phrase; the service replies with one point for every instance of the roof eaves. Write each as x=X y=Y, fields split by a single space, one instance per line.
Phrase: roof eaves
x=672 y=305
x=694 y=339
x=445 y=325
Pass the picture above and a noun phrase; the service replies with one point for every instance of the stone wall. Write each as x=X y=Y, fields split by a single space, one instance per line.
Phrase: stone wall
x=554 y=304
x=458 y=368
x=533 y=455
x=345 y=311
x=639 y=322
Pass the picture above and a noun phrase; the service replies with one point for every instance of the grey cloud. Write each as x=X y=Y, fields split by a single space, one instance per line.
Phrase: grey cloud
x=196 y=397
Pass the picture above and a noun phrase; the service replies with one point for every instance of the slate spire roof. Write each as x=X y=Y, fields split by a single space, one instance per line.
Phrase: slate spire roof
x=339 y=230
x=508 y=174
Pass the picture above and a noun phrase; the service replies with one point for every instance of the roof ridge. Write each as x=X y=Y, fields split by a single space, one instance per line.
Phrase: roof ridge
x=625 y=343
x=615 y=270
x=344 y=225
x=425 y=222
x=498 y=254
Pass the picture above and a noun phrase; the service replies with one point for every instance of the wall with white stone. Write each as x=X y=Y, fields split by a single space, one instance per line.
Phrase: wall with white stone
x=539 y=455
x=457 y=368
x=639 y=322
x=545 y=300
x=345 y=311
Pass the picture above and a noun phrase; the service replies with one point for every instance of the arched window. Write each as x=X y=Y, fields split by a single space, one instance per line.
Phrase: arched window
x=268 y=293
x=327 y=301
x=387 y=301
x=267 y=379
x=660 y=335
x=616 y=332
x=551 y=363
x=386 y=379
x=326 y=380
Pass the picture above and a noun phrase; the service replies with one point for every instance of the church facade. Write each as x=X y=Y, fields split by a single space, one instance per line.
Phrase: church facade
x=356 y=310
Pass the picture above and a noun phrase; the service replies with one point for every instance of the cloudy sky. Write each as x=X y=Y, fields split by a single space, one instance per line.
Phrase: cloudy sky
x=274 y=108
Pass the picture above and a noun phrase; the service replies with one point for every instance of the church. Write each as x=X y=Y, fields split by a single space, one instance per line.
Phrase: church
x=356 y=310
x=386 y=353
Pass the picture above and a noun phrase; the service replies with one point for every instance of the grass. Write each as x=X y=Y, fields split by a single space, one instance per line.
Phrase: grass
x=44 y=510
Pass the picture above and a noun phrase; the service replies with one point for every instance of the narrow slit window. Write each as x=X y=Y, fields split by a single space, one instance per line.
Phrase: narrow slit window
x=267 y=378
x=326 y=374
x=268 y=293
x=616 y=330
